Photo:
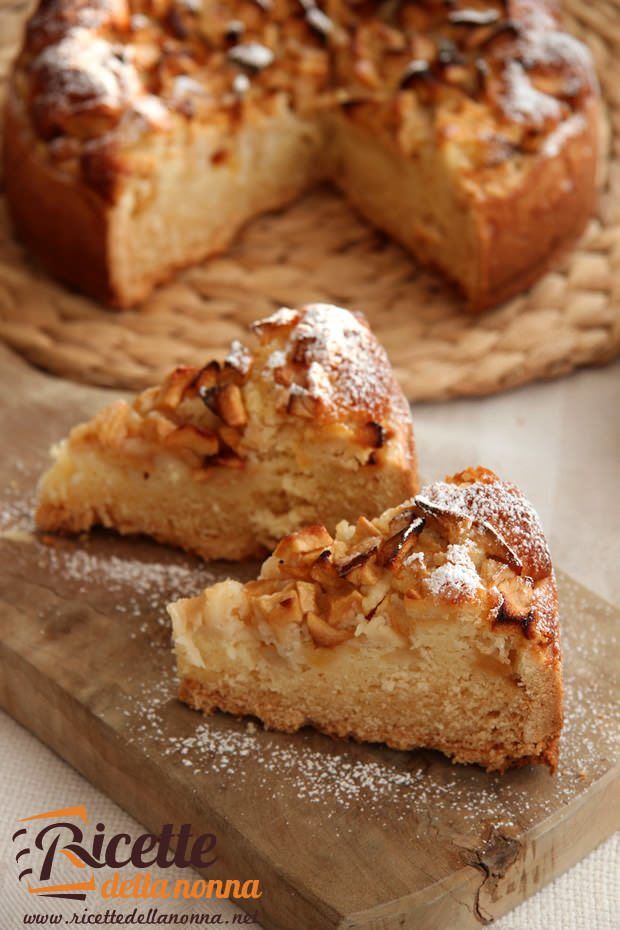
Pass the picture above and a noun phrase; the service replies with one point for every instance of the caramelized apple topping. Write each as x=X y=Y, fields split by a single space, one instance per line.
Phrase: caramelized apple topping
x=199 y=414
x=227 y=459
x=284 y=318
x=358 y=560
x=280 y=607
x=227 y=402
x=92 y=71
x=454 y=522
x=365 y=529
x=426 y=549
x=371 y=434
x=324 y=634
x=496 y=546
x=516 y=604
x=302 y=405
x=324 y=571
x=394 y=549
x=173 y=389
x=202 y=443
x=311 y=539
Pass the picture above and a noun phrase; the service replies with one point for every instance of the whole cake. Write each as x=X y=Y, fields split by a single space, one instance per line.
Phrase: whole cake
x=141 y=134
x=434 y=625
x=305 y=424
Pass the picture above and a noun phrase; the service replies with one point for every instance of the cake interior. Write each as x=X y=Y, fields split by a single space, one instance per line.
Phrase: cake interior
x=452 y=684
x=184 y=212
x=227 y=515
x=208 y=183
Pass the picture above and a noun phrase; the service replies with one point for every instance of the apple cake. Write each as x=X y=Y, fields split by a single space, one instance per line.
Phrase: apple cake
x=306 y=425
x=434 y=625
x=141 y=134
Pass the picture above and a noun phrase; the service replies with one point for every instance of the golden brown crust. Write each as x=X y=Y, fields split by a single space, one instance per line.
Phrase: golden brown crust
x=507 y=100
x=523 y=235
x=38 y=197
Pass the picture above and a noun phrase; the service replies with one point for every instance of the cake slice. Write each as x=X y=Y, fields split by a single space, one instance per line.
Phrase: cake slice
x=434 y=625
x=306 y=425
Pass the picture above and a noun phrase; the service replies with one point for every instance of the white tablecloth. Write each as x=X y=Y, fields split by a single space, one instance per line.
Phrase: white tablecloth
x=560 y=442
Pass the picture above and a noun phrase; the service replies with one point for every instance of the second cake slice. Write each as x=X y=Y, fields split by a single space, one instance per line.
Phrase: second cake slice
x=434 y=625
x=305 y=424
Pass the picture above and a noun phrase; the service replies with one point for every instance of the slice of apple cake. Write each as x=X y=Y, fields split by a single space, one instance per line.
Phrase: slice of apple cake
x=306 y=425
x=434 y=625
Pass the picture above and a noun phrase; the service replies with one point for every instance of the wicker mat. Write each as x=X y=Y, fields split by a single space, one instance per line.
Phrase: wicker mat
x=318 y=249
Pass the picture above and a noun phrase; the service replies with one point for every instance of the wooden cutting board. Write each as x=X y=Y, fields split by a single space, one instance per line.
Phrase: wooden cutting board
x=340 y=835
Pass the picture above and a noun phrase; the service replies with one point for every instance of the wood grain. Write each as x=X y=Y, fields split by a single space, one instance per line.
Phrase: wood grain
x=85 y=664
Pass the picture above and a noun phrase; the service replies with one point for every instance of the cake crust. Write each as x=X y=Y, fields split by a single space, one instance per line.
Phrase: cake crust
x=434 y=625
x=494 y=119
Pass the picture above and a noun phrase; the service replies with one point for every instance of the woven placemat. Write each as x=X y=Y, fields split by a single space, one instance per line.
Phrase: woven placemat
x=319 y=249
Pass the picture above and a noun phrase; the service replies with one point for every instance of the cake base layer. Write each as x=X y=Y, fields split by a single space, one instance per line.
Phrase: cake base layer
x=479 y=697
x=230 y=515
x=274 y=712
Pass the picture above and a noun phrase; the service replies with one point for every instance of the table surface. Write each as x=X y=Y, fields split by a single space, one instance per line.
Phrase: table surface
x=560 y=442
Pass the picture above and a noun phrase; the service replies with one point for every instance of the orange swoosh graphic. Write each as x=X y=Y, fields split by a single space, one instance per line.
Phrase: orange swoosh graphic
x=78 y=811
x=71 y=886
x=73 y=859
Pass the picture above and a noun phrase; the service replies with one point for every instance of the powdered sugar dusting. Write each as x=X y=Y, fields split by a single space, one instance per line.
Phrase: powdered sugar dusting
x=457 y=577
x=17 y=507
x=502 y=506
x=251 y=55
x=555 y=141
x=415 y=558
x=151 y=110
x=138 y=585
x=313 y=774
x=319 y=384
x=346 y=366
x=239 y=357
x=523 y=102
x=82 y=67
x=277 y=359
x=542 y=47
x=329 y=327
